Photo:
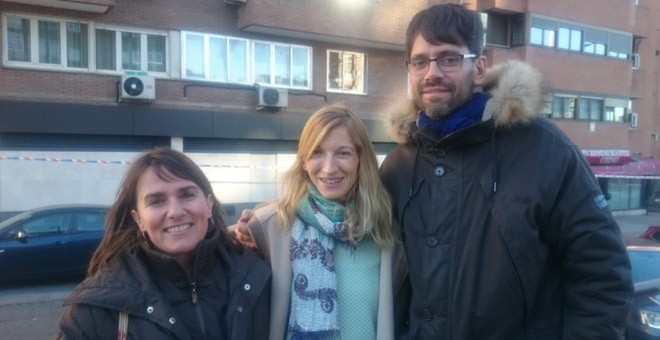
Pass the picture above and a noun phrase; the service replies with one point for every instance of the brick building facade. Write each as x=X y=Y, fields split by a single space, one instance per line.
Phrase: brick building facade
x=235 y=80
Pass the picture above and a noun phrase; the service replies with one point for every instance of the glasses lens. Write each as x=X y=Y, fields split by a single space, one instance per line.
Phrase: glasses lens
x=450 y=62
x=417 y=66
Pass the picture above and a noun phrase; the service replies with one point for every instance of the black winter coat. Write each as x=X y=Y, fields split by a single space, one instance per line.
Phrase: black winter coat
x=238 y=284
x=506 y=231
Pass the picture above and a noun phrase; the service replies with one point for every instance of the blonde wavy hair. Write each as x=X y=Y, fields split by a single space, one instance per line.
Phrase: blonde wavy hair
x=373 y=203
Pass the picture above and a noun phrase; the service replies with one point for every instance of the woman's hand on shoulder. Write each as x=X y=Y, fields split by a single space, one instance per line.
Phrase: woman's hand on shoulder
x=241 y=230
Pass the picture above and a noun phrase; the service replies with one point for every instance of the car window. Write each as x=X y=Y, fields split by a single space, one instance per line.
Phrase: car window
x=47 y=225
x=645 y=265
x=90 y=221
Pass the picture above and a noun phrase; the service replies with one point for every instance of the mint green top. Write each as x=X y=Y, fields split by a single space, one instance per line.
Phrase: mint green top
x=358 y=282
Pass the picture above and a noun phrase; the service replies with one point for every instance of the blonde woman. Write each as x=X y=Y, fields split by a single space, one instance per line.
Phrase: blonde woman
x=330 y=237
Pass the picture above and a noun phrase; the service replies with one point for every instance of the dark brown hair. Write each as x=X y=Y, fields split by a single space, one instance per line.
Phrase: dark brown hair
x=450 y=24
x=121 y=231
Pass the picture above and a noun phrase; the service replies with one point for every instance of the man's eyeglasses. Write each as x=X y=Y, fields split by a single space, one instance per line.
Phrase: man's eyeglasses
x=446 y=63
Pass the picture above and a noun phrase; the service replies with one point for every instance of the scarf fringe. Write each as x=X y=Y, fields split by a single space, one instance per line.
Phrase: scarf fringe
x=299 y=334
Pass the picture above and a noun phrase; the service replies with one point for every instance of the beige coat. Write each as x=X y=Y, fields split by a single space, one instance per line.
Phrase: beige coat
x=274 y=245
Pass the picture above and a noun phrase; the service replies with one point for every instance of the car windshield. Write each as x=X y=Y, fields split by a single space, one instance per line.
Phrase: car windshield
x=645 y=264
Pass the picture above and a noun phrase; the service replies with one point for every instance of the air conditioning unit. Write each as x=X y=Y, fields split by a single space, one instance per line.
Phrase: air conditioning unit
x=137 y=88
x=235 y=2
x=633 y=119
x=635 y=60
x=270 y=97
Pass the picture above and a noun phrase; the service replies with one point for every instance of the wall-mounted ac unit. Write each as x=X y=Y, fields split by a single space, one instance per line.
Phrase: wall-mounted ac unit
x=270 y=97
x=635 y=60
x=137 y=88
x=633 y=119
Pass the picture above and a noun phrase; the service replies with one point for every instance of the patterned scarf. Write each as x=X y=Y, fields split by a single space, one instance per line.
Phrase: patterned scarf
x=461 y=118
x=314 y=300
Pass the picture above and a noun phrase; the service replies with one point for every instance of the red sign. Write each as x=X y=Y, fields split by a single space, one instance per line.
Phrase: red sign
x=607 y=156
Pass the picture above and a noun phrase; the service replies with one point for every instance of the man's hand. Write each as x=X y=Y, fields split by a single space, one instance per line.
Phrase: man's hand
x=241 y=231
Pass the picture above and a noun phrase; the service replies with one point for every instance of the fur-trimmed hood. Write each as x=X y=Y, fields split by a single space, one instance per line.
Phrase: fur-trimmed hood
x=516 y=91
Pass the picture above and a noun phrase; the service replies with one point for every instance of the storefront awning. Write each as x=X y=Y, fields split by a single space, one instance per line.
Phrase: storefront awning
x=643 y=168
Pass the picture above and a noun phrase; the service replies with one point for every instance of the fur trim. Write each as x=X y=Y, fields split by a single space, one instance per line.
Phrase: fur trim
x=517 y=93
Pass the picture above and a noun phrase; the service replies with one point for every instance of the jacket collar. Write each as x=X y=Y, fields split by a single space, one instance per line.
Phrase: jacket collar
x=516 y=90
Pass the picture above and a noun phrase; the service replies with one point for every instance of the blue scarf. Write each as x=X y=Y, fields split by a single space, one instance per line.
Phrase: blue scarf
x=464 y=116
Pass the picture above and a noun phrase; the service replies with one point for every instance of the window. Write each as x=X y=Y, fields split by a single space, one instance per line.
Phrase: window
x=505 y=29
x=542 y=32
x=580 y=38
x=619 y=45
x=214 y=57
x=574 y=106
x=497 y=29
x=615 y=110
x=48 y=225
x=569 y=39
x=18 y=39
x=90 y=221
x=118 y=50
x=518 y=31
x=346 y=71
x=563 y=107
x=626 y=193
x=49 y=42
x=590 y=109
x=57 y=43
x=281 y=65
x=76 y=45
x=540 y=36
x=594 y=48
x=235 y=60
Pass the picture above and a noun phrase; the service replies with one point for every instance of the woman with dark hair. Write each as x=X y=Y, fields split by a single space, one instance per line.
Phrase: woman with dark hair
x=168 y=265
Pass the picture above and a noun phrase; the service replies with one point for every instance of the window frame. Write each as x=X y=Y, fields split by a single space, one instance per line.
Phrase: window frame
x=34 y=46
x=572 y=34
x=34 y=62
x=273 y=64
x=361 y=89
x=548 y=37
x=144 y=51
x=249 y=61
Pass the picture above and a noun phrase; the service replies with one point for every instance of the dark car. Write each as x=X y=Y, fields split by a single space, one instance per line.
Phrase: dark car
x=644 y=317
x=50 y=241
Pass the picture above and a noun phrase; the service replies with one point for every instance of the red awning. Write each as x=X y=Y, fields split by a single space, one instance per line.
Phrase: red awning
x=643 y=168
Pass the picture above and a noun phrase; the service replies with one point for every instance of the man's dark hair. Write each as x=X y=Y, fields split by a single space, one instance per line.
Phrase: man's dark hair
x=449 y=24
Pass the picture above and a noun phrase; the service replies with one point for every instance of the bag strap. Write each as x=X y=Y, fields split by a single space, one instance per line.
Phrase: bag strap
x=122 y=332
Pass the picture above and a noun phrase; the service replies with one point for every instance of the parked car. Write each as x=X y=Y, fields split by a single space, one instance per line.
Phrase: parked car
x=644 y=317
x=50 y=241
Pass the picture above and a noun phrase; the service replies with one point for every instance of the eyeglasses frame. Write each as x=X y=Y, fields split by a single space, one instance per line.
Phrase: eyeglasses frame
x=463 y=56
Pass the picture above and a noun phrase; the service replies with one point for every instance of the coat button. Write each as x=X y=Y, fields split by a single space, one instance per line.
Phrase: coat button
x=439 y=170
x=240 y=309
x=431 y=241
x=427 y=315
x=172 y=320
x=441 y=153
x=247 y=286
x=150 y=309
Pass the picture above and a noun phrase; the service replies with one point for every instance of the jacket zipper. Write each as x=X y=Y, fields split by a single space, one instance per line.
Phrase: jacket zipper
x=198 y=309
x=194 y=292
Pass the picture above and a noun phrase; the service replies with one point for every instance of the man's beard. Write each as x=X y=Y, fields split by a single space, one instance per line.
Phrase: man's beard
x=442 y=109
